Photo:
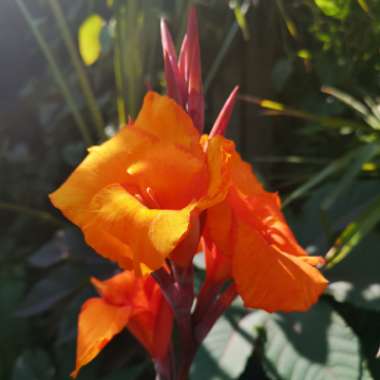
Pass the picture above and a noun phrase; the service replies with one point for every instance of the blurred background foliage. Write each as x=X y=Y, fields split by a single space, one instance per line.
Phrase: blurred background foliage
x=308 y=120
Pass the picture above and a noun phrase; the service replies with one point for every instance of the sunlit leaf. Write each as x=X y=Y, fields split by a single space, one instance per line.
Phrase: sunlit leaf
x=241 y=20
x=354 y=233
x=334 y=8
x=353 y=103
x=324 y=174
x=304 y=54
x=363 y=154
x=89 y=39
x=226 y=349
x=315 y=345
x=290 y=25
x=363 y=4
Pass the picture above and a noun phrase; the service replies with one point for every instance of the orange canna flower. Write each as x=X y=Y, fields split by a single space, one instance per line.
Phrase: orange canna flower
x=247 y=239
x=137 y=197
x=125 y=301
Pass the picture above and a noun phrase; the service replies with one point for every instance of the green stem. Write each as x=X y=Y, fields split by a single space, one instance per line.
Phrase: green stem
x=78 y=66
x=57 y=74
x=118 y=68
x=39 y=214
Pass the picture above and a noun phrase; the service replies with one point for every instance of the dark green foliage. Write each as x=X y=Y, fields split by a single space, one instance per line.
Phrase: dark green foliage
x=326 y=165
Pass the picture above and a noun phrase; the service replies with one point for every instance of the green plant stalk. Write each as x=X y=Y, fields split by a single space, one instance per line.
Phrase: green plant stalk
x=118 y=66
x=38 y=214
x=354 y=233
x=290 y=26
x=57 y=74
x=79 y=69
x=120 y=103
x=234 y=29
x=133 y=23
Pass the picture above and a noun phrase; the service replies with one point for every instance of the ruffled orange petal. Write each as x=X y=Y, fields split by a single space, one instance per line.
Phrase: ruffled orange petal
x=123 y=289
x=168 y=177
x=104 y=165
x=148 y=235
x=243 y=177
x=164 y=118
x=272 y=280
x=263 y=213
x=218 y=157
x=153 y=326
x=98 y=323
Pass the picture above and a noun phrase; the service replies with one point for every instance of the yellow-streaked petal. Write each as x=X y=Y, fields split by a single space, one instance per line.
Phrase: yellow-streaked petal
x=150 y=234
x=98 y=323
x=104 y=165
x=219 y=152
x=272 y=280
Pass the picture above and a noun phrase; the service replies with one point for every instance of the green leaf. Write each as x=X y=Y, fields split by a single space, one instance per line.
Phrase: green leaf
x=363 y=155
x=225 y=351
x=89 y=39
x=240 y=19
x=334 y=8
x=356 y=279
x=317 y=345
x=58 y=284
x=66 y=244
x=354 y=233
x=353 y=103
x=33 y=365
x=363 y=5
x=324 y=174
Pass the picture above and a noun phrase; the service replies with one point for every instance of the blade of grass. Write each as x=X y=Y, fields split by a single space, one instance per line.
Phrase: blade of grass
x=334 y=167
x=353 y=103
x=240 y=19
x=279 y=109
x=363 y=155
x=363 y=5
x=121 y=85
x=234 y=29
x=354 y=233
x=38 y=214
x=292 y=29
x=57 y=74
x=79 y=69
x=134 y=61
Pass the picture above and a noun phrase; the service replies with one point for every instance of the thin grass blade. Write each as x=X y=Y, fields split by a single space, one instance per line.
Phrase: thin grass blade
x=364 y=154
x=334 y=167
x=57 y=74
x=79 y=69
x=354 y=233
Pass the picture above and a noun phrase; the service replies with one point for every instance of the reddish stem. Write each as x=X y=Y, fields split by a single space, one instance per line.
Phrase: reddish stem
x=206 y=297
x=215 y=311
x=178 y=289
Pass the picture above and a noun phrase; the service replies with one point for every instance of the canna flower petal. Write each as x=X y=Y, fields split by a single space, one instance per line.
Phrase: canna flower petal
x=98 y=323
x=150 y=235
x=248 y=233
x=126 y=196
x=273 y=280
x=126 y=301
